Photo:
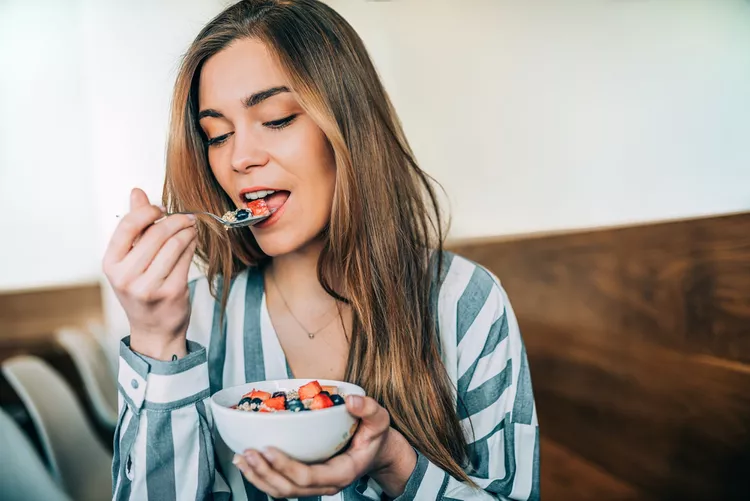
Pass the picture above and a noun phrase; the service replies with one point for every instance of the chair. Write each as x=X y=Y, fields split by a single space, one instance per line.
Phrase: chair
x=98 y=380
x=78 y=461
x=109 y=344
x=23 y=475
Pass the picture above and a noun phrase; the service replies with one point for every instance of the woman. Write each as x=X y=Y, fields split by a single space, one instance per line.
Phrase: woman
x=347 y=280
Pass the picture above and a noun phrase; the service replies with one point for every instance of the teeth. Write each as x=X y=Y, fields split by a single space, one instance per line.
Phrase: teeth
x=254 y=195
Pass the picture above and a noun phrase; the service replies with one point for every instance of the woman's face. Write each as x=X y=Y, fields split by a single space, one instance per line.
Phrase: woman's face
x=259 y=140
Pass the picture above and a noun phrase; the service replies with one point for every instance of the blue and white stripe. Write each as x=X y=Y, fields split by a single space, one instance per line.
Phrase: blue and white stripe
x=166 y=447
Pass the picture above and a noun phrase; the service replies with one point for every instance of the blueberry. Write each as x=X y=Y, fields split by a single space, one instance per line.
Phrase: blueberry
x=244 y=401
x=337 y=399
x=295 y=406
x=255 y=404
x=325 y=393
x=242 y=214
x=279 y=394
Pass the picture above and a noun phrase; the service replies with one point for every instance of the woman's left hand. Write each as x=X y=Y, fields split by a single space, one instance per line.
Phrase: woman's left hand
x=376 y=449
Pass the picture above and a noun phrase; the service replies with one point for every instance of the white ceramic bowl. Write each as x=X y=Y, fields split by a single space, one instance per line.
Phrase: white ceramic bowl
x=309 y=437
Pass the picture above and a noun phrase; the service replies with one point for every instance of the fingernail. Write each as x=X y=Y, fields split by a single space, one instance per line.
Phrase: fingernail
x=191 y=217
x=162 y=208
x=236 y=460
x=250 y=458
x=355 y=402
x=269 y=454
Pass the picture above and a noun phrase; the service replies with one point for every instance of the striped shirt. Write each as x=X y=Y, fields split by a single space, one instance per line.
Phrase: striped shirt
x=167 y=449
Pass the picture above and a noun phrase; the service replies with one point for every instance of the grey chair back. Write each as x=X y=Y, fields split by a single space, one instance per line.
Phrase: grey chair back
x=77 y=459
x=93 y=367
x=23 y=475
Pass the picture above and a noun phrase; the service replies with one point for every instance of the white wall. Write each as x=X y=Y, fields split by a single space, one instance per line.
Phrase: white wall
x=84 y=93
x=534 y=116
x=132 y=53
x=47 y=222
x=546 y=115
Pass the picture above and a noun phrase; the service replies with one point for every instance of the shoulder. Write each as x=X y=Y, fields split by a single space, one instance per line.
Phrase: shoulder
x=468 y=285
x=470 y=305
x=474 y=321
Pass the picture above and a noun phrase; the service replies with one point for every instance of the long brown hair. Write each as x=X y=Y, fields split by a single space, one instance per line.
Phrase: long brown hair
x=385 y=223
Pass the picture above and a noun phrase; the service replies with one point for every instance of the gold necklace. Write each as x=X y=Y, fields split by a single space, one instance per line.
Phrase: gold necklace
x=310 y=335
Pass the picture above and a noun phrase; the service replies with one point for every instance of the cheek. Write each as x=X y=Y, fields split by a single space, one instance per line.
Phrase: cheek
x=315 y=158
x=296 y=150
x=220 y=170
x=320 y=179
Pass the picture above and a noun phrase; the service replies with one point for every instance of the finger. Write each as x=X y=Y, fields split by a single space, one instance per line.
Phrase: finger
x=138 y=199
x=250 y=475
x=281 y=485
x=131 y=226
x=325 y=477
x=260 y=473
x=179 y=275
x=143 y=254
x=375 y=419
x=168 y=257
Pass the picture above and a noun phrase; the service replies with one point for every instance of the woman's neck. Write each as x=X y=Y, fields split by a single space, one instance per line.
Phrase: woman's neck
x=296 y=276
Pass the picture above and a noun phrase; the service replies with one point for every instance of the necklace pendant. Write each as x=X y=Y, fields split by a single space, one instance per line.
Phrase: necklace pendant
x=311 y=335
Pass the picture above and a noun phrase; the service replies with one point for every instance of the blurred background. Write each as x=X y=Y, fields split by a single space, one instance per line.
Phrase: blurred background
x=595 y=156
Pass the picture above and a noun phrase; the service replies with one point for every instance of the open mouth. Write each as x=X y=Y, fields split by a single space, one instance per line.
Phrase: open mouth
x=273 y=198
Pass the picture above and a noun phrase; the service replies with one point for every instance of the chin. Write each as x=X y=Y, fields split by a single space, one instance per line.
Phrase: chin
x=288 y=242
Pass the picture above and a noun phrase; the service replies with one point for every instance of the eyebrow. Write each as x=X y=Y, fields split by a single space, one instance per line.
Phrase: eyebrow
x=250 y=101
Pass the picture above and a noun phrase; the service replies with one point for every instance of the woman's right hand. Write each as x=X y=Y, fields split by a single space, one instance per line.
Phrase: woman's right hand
x=147 y=265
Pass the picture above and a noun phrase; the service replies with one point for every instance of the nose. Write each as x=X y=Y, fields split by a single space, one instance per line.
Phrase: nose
x=248 y=152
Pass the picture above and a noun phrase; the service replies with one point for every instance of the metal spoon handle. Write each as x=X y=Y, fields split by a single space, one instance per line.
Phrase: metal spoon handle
x=219 y=219
x=250 y=221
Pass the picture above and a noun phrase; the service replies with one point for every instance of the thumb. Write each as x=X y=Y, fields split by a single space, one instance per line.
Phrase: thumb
x=138 y=199
x=371 y=413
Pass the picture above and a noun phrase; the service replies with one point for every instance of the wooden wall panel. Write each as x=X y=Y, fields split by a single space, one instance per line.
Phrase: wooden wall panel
x=26 y=316
x=639 y=346
x=567 y=476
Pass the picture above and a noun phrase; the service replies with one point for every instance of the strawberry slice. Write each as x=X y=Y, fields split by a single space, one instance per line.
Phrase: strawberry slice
x=277 y=403
x=309 y=390
x=321 y=402
x=262 y=395
x=258 y=207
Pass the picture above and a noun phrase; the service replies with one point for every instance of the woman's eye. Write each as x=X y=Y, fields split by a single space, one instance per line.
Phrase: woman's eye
x=280 y=124
x=218 y=140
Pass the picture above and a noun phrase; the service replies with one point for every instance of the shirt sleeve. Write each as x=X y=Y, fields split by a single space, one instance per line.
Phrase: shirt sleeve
x=495 y=403
x=163 y=447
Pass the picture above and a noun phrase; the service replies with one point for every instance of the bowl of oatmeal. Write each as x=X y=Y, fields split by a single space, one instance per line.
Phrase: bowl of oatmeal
x=304 y=418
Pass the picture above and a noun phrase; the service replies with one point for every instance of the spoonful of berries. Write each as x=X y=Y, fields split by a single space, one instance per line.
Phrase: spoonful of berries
x=256 y=211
